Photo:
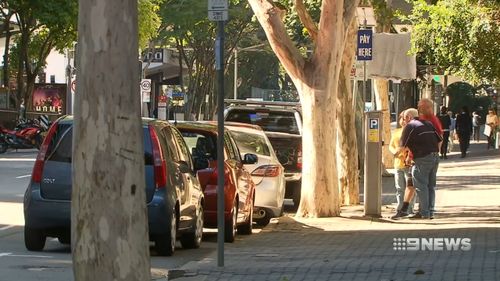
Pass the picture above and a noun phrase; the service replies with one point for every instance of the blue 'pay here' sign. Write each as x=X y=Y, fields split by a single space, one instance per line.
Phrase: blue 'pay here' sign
x=365 y=46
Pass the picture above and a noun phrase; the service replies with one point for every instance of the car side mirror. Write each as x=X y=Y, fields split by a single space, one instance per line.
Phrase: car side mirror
x=184 y=167
x=250 y=158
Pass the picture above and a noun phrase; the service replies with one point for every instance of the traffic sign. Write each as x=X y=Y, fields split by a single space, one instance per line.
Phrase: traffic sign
x=365 y=44
x=217 y=10
x=146 y=85
x=146 y=90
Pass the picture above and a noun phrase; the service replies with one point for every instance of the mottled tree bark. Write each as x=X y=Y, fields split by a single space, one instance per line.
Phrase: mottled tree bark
x=316 y=80
x=109 y=221
x=347 y=148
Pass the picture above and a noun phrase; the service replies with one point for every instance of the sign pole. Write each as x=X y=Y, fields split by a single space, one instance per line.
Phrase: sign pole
x=218 y=11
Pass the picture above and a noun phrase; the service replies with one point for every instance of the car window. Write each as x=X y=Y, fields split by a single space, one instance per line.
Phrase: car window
x=231 y=147
x=61 y=146
x=184 y=153
x=270 y=121
x=201 y=145
x=170 y=144
x=251 y=143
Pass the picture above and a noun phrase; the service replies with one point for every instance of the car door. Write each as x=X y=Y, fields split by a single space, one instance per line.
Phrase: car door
x=242 y=178
x=190 y=186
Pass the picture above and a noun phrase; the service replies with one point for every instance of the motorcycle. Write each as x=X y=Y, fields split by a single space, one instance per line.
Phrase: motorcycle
x=28 y=134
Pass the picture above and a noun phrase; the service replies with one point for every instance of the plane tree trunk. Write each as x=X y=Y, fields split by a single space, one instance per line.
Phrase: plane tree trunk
x=347 y=148
x=316 y=80
x=109 y=222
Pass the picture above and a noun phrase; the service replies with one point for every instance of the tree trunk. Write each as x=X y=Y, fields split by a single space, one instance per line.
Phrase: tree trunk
x=382 y=98
x=109 y=221
x=320 y=194
x=6 y=27
x=347 y=148
x=316 y=80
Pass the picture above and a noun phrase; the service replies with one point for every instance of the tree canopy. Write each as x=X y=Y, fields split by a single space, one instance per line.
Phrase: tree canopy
x=458 y=36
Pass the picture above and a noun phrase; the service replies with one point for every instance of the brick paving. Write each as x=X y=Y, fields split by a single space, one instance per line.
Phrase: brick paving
x=353 y=247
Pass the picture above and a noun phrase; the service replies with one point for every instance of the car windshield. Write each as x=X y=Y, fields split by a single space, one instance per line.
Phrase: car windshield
x=270 y=121
x=251 y=143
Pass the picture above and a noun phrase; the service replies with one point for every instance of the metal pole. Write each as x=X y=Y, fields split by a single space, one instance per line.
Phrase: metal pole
x=68 y=91
x=235 y=73
x=219 y=55
x=364 y=70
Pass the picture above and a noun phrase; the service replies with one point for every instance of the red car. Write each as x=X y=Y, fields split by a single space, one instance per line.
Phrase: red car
x=201 y=138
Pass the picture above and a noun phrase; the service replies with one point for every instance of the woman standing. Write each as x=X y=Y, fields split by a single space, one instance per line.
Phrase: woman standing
x=493 y=122
x=464 y=130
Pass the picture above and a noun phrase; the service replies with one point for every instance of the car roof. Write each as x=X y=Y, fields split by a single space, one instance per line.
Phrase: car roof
x=233 y=125
x=210 y=126
x=68 y=119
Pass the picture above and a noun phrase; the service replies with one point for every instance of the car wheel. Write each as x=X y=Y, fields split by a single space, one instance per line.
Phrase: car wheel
x=64 y=239
x=165 y=244
x=230 y=227
x=247 y=227
x=3 y=147
x=192 y=240
x=296 y=195
x=34 y=239
x=264 y=220
x=38 y=141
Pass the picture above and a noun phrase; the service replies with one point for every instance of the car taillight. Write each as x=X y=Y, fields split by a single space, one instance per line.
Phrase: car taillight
x=36 y=175
x=299 y=157
x=160 y=165
x=267 y=171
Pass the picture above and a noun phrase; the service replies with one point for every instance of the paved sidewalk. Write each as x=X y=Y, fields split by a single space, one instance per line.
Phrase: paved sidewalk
x=353 y=247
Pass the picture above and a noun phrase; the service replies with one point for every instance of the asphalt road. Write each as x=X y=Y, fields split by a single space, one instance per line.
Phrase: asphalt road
x=54 y=263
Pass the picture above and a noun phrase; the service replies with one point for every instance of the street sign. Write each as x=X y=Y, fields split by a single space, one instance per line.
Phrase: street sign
x=373 y=131
x=365 y=44
x=177 y=95
x=146 y=90
x=217 y=10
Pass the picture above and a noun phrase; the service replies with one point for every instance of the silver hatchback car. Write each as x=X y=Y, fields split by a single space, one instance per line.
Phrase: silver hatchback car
x=268 y=173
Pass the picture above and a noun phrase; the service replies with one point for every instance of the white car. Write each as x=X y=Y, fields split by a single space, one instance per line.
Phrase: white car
x=268 y=173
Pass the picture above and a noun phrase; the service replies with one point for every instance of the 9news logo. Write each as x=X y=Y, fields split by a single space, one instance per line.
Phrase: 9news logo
x=432 y=244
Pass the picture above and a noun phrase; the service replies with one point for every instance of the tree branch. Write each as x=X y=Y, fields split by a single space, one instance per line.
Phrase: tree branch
x=269 y=17
x=306 y=19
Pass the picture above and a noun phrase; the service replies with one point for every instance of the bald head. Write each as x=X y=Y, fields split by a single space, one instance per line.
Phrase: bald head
x=425 y=107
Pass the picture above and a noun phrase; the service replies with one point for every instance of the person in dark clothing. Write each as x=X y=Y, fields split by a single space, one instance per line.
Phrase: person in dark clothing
x=445 y=120
x=464 y=130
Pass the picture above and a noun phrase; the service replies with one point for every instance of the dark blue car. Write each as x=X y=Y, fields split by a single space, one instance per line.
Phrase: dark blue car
x=174 y=198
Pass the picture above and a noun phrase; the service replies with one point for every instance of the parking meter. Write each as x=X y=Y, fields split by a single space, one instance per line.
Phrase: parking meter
x=373 y=164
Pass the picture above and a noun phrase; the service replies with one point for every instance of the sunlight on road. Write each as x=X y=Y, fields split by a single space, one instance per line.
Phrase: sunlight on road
x=12 y=213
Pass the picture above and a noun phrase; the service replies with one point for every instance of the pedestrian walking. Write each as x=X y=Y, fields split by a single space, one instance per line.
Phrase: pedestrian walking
x=492 y=124
x=453 y=134
x=402 y=175
x=422 y=139
x=476 y=125
x=445 y=121
x=464 y=130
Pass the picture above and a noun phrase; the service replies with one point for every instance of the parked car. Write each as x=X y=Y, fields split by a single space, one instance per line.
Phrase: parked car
x=239 y=188
x=268 y=173
x=175 y=201
x=282 y=123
